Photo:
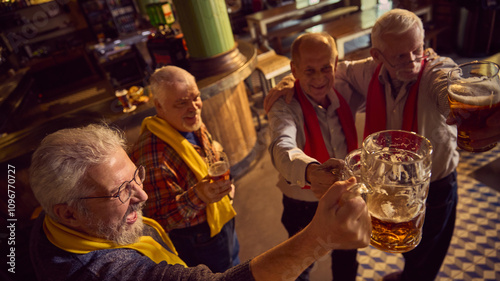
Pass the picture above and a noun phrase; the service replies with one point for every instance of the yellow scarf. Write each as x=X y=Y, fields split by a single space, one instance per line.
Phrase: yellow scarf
x=218 y=213
x=73 y=241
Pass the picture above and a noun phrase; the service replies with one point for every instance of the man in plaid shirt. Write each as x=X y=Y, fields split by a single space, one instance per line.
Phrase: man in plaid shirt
x=170 y=146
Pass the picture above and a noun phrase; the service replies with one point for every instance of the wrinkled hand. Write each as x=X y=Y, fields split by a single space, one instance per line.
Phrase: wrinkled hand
x=284 y=88
x=210 y=192
x=342 y=223
x=481 y=137
x=323 y=176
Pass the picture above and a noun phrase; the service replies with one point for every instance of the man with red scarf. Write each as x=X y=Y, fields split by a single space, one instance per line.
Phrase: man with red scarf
x=404 y=90
x=405 y=87
x=315 y=127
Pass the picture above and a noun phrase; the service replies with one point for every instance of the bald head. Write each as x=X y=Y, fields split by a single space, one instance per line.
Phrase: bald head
x=312 y=40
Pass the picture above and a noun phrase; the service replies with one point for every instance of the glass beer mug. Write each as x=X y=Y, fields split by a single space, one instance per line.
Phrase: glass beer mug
x=218 y=166
x=474 y=95
x=395 y=167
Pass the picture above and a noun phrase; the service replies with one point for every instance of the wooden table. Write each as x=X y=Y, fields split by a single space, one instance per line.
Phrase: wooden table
x=360 y=23
x=275 y=36
x=351 y=27
x=258 y=22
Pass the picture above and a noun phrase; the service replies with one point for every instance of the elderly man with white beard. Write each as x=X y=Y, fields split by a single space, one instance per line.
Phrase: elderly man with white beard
x=92 y=226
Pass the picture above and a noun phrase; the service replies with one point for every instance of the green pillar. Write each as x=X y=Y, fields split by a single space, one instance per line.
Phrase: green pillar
x=206 y=27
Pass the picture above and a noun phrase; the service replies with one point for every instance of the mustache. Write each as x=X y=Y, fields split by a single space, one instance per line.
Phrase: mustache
x=135 y=207
x=193 y=114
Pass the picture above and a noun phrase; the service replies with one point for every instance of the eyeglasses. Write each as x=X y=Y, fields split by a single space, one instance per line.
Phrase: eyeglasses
x=402 y=62
x=125 y=189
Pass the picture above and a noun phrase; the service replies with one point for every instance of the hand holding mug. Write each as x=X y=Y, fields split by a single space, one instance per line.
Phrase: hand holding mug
x=395 y=166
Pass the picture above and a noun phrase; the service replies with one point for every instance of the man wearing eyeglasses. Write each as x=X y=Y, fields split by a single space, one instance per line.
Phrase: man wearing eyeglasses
x=404 y=87
x=92 y=226
x=173 y=145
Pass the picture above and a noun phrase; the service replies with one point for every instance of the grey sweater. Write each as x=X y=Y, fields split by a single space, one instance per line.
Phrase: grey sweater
x=52 y=263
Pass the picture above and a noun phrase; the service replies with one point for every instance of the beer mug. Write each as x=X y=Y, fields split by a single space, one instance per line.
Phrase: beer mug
x=474 y=95
x=124 y=99
x=395 y=167
x=218 y=166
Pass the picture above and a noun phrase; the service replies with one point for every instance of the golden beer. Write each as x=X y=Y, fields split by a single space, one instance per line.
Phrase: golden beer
x=219 y=171
x=474 y=96
x=471 y=116
x=397 y=237
x=397 y=213
x=395 y=166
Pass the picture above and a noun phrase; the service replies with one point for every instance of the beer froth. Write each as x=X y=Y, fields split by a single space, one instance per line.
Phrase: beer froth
x=219 y=170
x=483 y=94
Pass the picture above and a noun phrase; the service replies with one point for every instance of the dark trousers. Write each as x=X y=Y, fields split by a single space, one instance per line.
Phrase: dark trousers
x=296 y=215
x=195 y=246
x=423 y=262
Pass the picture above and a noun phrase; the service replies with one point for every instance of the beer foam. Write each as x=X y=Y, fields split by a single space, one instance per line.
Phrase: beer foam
x=388 y=209
x=470 y=92
x=218 y=168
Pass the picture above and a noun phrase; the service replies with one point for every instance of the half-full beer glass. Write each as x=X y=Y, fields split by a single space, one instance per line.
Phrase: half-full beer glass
x=474 y=95
x=395 y=166
x=218 y=166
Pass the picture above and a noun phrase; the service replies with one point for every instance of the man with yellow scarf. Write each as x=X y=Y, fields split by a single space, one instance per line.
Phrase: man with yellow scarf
x=195 y=211
x=92 y=226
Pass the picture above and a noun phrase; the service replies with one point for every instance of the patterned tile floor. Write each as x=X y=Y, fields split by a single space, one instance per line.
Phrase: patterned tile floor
x=474 y=253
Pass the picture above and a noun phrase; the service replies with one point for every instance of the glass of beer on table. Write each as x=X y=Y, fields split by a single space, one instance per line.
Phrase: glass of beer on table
x=218 y=166
x=474 y=95
x=124 y=99
x=395 y=167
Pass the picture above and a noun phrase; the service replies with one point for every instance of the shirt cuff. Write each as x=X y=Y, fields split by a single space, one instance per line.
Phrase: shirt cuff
x=298 y=173
x=305 y=172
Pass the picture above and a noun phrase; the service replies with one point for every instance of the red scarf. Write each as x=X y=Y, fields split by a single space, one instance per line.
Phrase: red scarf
x=376 y=114
x=315 y=144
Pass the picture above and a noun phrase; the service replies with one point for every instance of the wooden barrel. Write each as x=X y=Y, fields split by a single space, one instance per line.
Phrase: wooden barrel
x=229 y=120
x=226 y=111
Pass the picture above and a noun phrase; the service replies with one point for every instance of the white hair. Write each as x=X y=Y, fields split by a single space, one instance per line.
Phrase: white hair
x=163 y=78
x=395 y=21
x=58 y=172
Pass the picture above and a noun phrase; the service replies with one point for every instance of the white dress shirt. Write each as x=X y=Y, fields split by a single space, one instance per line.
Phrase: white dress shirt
x=286 y=123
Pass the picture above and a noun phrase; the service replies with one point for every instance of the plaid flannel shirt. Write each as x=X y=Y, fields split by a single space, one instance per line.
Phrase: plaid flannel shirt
x=169 y=182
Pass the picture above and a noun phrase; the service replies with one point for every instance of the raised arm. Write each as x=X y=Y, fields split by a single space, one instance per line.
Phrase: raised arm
x=337 y=224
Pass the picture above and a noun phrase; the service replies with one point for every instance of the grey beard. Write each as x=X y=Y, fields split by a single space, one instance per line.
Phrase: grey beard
x=121 y=233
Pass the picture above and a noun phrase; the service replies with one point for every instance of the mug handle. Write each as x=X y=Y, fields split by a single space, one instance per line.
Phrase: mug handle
x=358 y=189
x=351 y=169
